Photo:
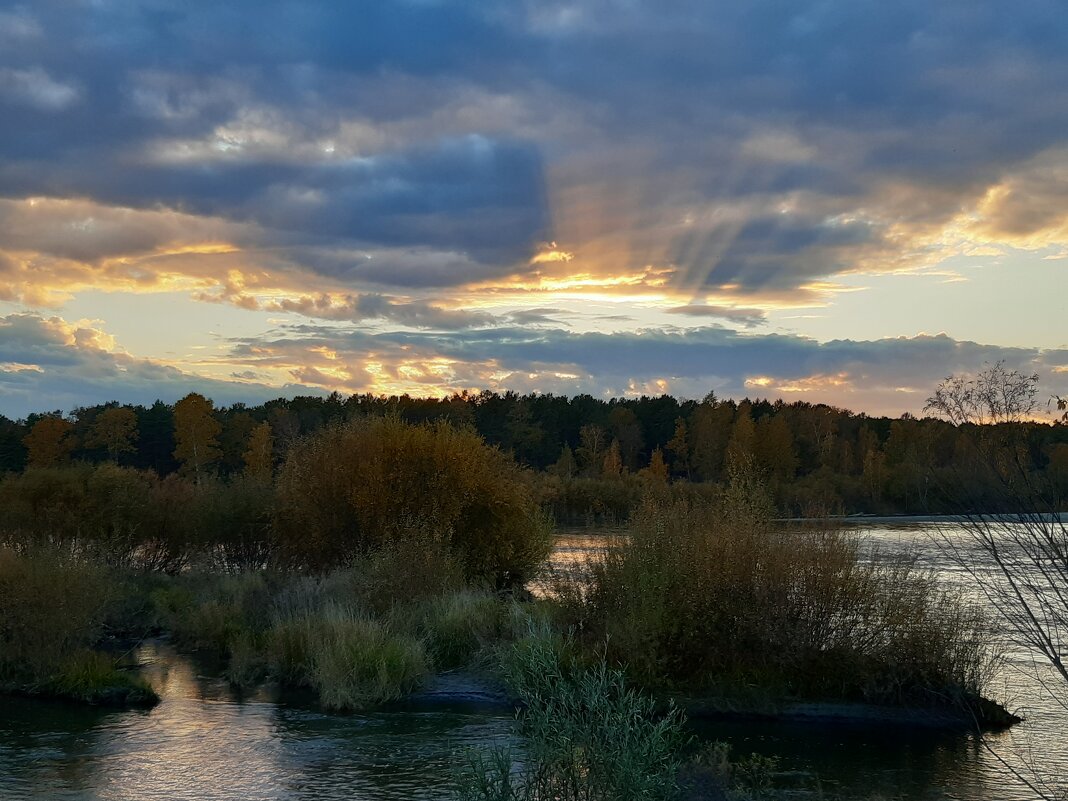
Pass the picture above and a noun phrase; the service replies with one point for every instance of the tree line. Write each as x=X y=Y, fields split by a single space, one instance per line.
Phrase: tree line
x=813 y=457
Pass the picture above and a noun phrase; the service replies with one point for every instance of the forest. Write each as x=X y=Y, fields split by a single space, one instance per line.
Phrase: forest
x=589 y=459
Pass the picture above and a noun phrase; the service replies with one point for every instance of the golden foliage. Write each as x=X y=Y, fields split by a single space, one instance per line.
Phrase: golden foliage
x=354 y=488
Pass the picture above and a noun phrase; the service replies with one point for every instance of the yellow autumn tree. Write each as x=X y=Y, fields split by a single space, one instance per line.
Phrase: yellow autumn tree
x=612 y=467
x=259 y=456
x=657 y=471
x=115 y=430
x=49 y=442
x=196 y=434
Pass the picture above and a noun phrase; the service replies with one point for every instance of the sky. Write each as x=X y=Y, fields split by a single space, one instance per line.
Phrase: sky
x=835 y=202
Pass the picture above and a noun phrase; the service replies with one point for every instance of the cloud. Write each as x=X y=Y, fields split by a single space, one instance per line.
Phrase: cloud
x=49 y=363
x=455 y=179
x=458 y=135
x=888 y=375
x=52 y=363
x=36 y=88
x=748 y=317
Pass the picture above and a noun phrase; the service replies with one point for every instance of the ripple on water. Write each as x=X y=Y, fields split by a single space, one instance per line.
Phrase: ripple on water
x=202 y=743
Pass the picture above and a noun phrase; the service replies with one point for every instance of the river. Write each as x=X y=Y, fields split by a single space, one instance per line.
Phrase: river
x=205 y=743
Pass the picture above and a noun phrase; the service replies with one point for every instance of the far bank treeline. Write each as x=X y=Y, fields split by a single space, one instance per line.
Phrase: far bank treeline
x=590 y=459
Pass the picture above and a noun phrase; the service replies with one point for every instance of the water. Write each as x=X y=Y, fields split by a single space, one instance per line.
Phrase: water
x=204 y=743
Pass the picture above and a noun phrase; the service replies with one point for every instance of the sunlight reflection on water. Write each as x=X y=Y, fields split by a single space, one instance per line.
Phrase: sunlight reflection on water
x=203 y=743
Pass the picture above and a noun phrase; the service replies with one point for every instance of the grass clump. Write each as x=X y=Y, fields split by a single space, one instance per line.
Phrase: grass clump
x=462 y=626
x=588 y=736
x=351 y=661
x=51 y=605
x=93 y=677
x=717 y=599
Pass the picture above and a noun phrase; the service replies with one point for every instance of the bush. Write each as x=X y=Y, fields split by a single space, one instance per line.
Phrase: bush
x=717 y=598
x=405 y=571
x=588 y=736
x=234 y=522
x=92 y=677
x=53 y=609
x=212 y=612
x=120 y=515
x=349 y=490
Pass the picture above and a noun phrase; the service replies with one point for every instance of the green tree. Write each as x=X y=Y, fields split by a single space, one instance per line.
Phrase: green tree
x=613 y=462
x=657 y=471
x=591 y=449
x=775 y=449
x=710 y=430
x=565 y=466
x=743 y=437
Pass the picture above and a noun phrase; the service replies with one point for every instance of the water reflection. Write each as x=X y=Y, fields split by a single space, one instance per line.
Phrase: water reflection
x=204 y=743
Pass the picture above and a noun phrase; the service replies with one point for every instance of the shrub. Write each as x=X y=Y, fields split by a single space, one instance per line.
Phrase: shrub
x=351 y=489
x=92 y=677
x=53 y=609
x=120 y=515
x=405 y=571
x=211 y=611
x=588 y=736
x=719 y=598
x=234 y=522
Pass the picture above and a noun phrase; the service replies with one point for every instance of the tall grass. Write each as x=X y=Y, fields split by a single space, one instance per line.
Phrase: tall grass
x=351 y=660
x=588 y=736
x=716 y=598
x=53 y=612
x=51 y=605
x=344 y=635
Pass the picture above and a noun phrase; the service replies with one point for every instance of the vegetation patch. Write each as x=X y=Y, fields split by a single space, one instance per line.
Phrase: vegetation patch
x=587 y=735
x=719 y=600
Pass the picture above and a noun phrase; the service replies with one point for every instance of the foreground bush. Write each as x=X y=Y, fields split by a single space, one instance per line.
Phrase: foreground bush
x=588 y=737
x=718 y=599
x=351 y=489
x=358 y=637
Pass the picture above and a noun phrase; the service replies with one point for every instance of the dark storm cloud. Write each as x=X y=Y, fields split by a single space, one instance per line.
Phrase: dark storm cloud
x=720 y=103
